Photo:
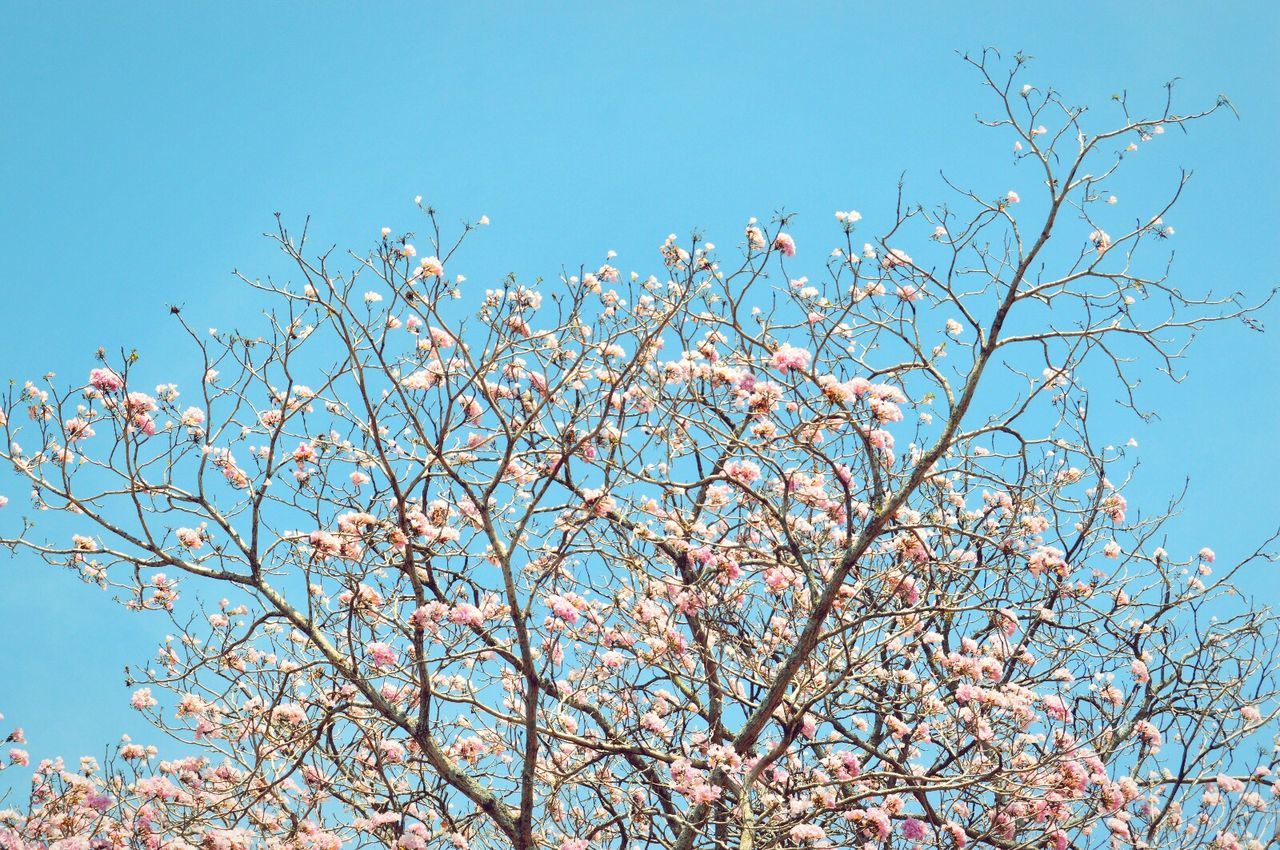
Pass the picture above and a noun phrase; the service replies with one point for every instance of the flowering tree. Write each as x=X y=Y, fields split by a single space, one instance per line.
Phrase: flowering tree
x=717 y=557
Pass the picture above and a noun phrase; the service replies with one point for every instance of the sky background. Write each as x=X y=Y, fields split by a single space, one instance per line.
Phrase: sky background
x=145 y=148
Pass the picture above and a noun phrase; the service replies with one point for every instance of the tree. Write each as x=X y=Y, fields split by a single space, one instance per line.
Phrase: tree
x=717 y=557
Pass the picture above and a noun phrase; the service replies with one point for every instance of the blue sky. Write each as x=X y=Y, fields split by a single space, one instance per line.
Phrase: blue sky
x=146 y=147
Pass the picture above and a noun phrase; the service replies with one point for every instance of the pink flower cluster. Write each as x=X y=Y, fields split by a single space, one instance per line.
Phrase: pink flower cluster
x=789 y=357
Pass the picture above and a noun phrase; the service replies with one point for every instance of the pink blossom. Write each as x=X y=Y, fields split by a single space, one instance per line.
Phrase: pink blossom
x=105 y=380
x=289 y=713
x=381 y=654
x=324 y=543
x=1140 y=672
x=1228 y=784
x=784 y=243
x=807 y=833
x=563 y=609
x=789 y=357
x=915 y=830
x=779 y=578
x=1115 y=506
x=1056 y=707
x=190 y=538
x=703 y=794
x=137 y=403
x=466 y=614
x=77 y=429
x=1047 y=559
x=895 y=257
x=392 y=752
x=142 y=699
x=430 y=267
x=1148 y=732
x=742 y=471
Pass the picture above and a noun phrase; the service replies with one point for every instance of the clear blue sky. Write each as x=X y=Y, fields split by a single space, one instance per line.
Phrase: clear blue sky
x=145 y=147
